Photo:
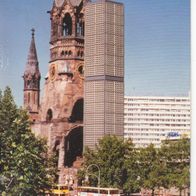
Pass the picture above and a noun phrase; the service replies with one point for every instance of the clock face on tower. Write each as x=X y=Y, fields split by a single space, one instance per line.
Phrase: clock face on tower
x=59 y=3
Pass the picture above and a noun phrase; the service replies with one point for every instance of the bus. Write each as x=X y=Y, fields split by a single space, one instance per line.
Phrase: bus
x=59 y=190
x=95 y=191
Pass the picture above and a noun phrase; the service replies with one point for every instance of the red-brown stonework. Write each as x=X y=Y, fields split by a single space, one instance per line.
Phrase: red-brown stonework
x=59 y=116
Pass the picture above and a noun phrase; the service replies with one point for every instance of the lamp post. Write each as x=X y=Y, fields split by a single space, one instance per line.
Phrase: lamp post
x=98 y=177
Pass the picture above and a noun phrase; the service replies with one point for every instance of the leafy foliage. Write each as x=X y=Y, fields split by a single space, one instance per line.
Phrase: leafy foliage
x=152 y=169
x=25 y=167
x=132 y=183
x=110 y=155
x=176 y=155
x=131 y=169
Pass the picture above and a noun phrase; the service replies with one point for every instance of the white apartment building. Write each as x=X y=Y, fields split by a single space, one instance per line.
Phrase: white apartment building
x=153 y=119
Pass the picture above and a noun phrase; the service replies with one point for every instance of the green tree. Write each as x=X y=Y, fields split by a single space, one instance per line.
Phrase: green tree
x=176 y=155
x=132 y=169
x=8 y=113
x=26 y=168
x=109 y=155
x=132 y=184
x=152 y=169
x=0 y=97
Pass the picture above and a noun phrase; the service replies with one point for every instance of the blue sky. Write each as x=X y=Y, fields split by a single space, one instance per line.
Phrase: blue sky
x=157 y=44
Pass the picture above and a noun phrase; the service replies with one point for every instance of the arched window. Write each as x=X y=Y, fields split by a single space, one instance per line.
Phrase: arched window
x=73 y=146
x=56 y=151
x=62 y=53
x=34 y=97
x=80 y=25
x=77 y=111
x=67 y=25
x=49 y=115
x=28 y=97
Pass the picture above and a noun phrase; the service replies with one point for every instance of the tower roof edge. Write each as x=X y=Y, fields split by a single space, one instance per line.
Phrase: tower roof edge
x=32 y=60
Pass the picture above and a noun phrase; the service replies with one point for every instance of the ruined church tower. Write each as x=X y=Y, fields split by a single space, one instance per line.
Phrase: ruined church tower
x=32 y=81
x=61 y=109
